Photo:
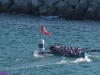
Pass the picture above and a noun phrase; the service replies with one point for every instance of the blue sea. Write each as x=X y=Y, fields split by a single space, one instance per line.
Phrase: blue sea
x=19 y=35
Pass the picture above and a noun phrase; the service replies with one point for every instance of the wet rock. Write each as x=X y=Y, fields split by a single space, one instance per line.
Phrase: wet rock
x=6 y=6
x=60 y=4
x=22 y=6
x=80 y=10
x=51 y=10
x=73 y=2
x=37 y=3
x=43 y=10
x=82 y=1
x=96 y=8
x=92 y=2
x=1 y=1
x=50 y=3
x=89 y=14
x=99 y=1
x=67 y=13
x=98 y=15
x=66 y=1
x=82 y=7
x=35 y=6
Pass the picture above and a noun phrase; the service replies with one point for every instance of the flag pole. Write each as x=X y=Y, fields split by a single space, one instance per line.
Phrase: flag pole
x=40 y=32
x=41 y=42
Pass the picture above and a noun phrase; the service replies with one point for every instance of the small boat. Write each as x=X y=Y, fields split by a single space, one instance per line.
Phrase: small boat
x=67 y=53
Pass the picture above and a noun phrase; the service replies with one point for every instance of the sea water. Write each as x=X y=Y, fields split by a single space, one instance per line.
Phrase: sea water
x=19 y=36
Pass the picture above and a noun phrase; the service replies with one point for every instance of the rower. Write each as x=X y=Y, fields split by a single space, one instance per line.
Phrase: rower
x=56 y=45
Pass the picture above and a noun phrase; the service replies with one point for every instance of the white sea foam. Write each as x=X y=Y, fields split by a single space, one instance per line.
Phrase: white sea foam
x=86 y=59
x=50 y=17
x=35 y=54
x=62 y=62
x=78 y=60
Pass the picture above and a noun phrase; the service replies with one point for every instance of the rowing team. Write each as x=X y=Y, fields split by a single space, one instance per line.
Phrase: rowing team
x=67 y=51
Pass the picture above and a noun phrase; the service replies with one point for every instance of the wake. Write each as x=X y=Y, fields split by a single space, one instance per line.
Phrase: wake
x=78 y=60
x=37 y=55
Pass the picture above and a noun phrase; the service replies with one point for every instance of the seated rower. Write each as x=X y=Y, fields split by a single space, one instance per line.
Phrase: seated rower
x=78 y=51
x=57 y=45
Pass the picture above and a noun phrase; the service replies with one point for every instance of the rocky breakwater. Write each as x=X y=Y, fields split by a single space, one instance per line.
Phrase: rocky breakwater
x=68 y=9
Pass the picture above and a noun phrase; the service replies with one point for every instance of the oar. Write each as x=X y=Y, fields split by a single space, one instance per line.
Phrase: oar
x=93 y=50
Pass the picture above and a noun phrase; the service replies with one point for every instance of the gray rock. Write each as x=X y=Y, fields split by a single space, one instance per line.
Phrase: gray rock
x=99 y=1
x=60 y=4
x=82 y=7
x=67 y=12
x=43 y=10
x=36 y=3
x=82 y=1
x=92 y=2
x=26 y=7
x=96 y=8
x=73 y=2
x=1 y=1
x=51 y=10
x=66 y=1
x=50 y=3
x=22 y=6
x=90 y=9
x=6 y=6
x=98 y=15
x=89 y=14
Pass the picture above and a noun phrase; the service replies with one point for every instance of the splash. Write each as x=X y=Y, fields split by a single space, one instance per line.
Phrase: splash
x=63 y=61
x=86 y=59
x=78 y=60
x=50 y=17
x=36 y=54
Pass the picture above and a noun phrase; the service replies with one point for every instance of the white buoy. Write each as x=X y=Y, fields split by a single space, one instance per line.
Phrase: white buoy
x=41 y=45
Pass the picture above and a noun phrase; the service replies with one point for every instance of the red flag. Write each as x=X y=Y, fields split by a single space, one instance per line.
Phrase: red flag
x=44 y=31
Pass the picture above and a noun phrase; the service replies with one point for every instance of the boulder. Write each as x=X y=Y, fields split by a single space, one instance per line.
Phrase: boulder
x=90 y=9
x=19 y=3
x=67 y=12
x=89 y=14
x=26 y=7
x=50 y=3
x=96 y=8
x=99 y=1
x=1 y=1
x=22 y=6
x=36 y=3
x=6 y=6
x=66 y=1
x=51 y=10
x=82 y=1
x=82 y=7
x=92 y=2
x=43 y=10
x=60 y=4
x=98 y=15
x=73 y=2
x=77 y=15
